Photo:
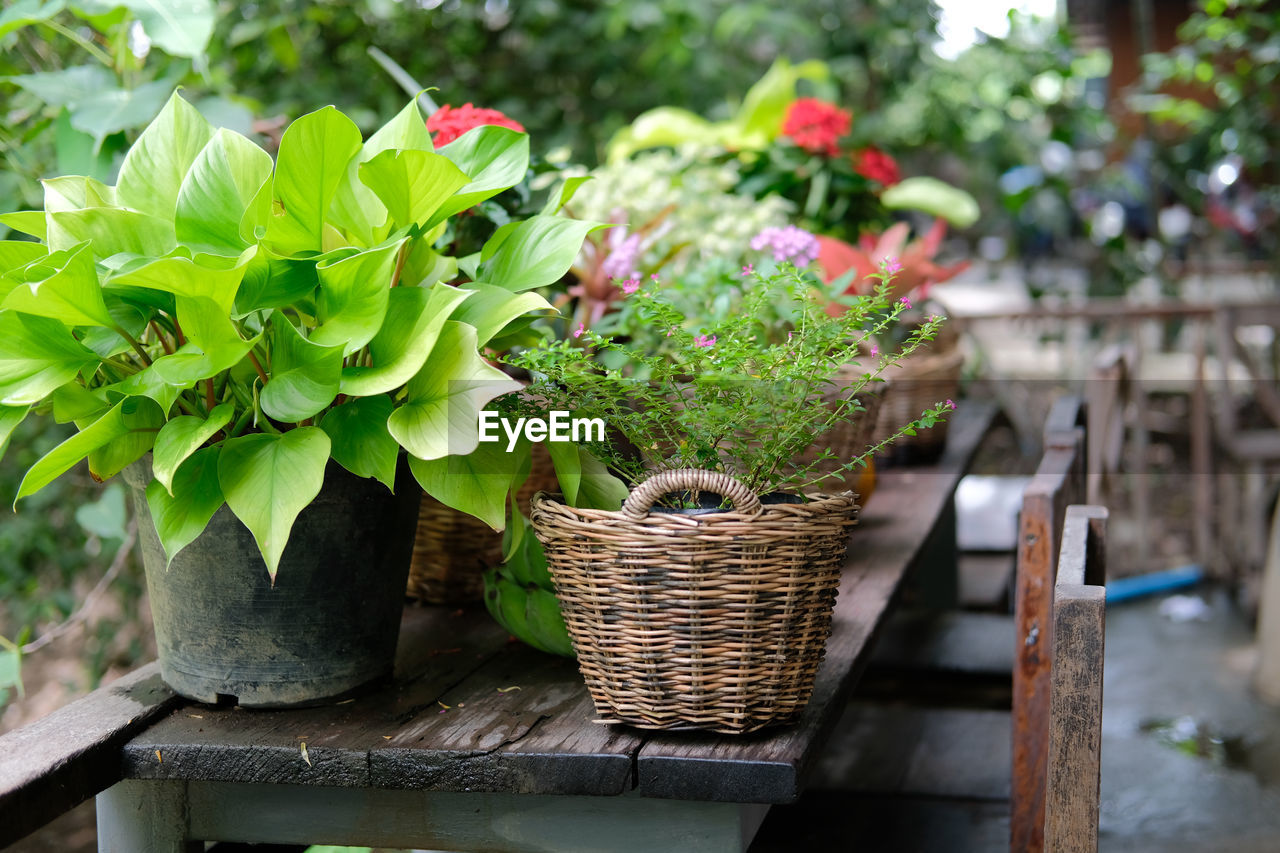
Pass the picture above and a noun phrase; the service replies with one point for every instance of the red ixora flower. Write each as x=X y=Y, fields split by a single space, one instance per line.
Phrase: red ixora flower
x=816 y=125
x=448 y=123
x=875 y=165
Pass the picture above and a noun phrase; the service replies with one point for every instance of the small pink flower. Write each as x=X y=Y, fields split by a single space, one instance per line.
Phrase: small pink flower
x=577 y=333
x=704 y=341
x=906 y=301
x=670 y=332
x=653 y=275
x=789 y=334
x=951 y=404
x=631 y=285
x=890 y=266
x=875 y=351
x=748 y=269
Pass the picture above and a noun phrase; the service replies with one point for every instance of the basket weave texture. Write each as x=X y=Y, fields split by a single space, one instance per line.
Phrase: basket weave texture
x=851 y=437
x=711 y=620
x=922 y=381
x=451 y=549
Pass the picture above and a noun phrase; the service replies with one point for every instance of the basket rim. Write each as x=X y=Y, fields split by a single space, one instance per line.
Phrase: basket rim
x=820 y=503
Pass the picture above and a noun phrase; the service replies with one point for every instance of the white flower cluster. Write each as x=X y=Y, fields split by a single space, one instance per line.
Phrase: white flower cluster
x=708 y=220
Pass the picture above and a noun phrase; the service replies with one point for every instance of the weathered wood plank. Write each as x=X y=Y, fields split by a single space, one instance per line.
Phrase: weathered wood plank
x=1075 y=732
x=523 y=723
x=469 y=711
x=1058 y=481
x=438 y=649
x=771 y=766
x=58 y=762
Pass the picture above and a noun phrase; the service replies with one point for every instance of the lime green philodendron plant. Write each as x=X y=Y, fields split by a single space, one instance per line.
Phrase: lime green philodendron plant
x=249 y=320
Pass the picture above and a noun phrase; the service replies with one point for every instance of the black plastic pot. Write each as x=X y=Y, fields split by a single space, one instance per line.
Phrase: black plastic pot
x=325 y=629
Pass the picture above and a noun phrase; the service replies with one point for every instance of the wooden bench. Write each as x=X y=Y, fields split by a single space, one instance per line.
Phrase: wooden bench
x=478 y=743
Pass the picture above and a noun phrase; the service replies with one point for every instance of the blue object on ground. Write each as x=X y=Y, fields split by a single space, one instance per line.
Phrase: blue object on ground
x=1123 y=589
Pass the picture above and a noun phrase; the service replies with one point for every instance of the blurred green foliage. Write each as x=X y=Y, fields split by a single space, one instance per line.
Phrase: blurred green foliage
x=1215 y=99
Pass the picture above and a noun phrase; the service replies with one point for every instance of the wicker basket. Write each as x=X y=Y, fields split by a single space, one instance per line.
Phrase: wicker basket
x=919 y=383
x=451 y=549
x=706 y=620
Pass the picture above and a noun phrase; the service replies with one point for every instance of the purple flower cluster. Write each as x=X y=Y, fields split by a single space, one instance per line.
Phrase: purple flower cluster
x=788 y=244
x=623 y=256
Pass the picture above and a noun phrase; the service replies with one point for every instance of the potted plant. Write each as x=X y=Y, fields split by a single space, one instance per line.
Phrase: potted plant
x=255 y=342
x=705 y=601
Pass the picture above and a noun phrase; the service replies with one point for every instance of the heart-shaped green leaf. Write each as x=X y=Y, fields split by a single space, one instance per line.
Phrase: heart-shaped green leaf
x=37 y=355
x=355 y=207
x=62 y=286
x=105 y=517
x=148 y=383
x=223 y=183
x=495 y=157
x=153 y=170
x=412 y=184
x=76 y=192
x=19 y=253
x=30 y=222
x=476 y=483
x=536 y=252
x=142 y=419
x=210 y=276
x=112 y=231
x=314 y=153
x=74 y=402
x=441 y=412
x=414 y=318
x=213 y=344
x=304 y=375
x=354 y=293
x=273 y=282
x=491 y=308
x=182 y=516
x=566 y=457
x=599 y=489
x=268 y=479
x=361 y=442
x=183 y=436
x=129 y=415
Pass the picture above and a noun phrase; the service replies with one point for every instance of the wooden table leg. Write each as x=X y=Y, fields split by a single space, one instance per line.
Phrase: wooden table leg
x=138 y=815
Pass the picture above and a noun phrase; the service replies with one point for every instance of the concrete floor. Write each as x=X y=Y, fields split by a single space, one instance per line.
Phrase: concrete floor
x=1172 y=689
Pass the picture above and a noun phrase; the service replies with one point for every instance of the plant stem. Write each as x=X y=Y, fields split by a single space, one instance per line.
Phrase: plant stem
x=88 y=46
x=262 y=374
x=164 y=342
x=401 y=257
x=137 y=347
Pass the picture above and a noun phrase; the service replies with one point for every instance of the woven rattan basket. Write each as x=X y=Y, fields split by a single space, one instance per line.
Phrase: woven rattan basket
x=922 y=381
x=452 y=549
x=711 y=620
